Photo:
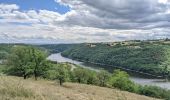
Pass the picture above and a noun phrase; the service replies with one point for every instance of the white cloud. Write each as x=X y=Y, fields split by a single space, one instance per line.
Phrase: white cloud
x=163 y=1
x=8 y=8
x=88 y=21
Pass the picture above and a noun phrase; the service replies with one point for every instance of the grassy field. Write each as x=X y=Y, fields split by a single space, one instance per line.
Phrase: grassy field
x=15 y=88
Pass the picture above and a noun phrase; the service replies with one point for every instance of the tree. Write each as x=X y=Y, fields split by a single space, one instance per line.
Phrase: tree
x=80 y=75
x=20 y=61
x=62 y=74
x=103 y=77
x=39 y=62
x=166 y=65
x=92 y=77
x=120 y=79
x=165 y=70
x=27 y=60
x=3 y=55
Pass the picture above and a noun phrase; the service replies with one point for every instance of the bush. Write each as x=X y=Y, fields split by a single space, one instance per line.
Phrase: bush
x=120 y=79
x=92 y=78
x=103 y=77
x=154 y=91
x=2 y=68
x=80 y=75
x=50 y=74
x=3 y=55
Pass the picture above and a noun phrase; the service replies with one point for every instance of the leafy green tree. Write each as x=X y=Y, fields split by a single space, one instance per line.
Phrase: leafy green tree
x=3 y=54
x=166 y=65
x=20 y=61
x=50 y=74
x=62 y=74
x=103 y=77
x=27 y=60
x=165 y=70
x=80 y=75
x=39 y=62
x=92 y=77
x=120 y=79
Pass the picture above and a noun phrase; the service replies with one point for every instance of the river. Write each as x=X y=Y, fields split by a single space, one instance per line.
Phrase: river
x=139 y=80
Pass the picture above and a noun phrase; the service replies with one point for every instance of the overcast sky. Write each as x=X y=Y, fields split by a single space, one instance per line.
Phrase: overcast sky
x=74 y=21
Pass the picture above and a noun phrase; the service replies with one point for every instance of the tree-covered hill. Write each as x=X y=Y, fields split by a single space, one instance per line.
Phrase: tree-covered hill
x=4 y=50
x=145 y=56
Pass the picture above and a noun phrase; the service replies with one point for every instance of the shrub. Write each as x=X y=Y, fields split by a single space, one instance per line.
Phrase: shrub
x=120 y=79
x=103 y=77
x=80 y=75
x=154 y=91
x=92 y=78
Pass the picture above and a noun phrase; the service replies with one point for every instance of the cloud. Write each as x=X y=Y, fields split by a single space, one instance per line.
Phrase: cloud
x=117 y=14
x=88 y=21
x=8 y=7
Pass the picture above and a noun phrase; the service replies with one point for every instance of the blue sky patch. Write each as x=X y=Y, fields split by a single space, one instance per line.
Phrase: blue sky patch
x=17 y=23
x=50 y=5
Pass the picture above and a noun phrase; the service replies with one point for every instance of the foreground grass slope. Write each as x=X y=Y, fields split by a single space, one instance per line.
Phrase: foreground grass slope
x=15 y=88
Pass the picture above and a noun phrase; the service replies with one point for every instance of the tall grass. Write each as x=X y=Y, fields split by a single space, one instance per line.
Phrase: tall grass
x=14 y=90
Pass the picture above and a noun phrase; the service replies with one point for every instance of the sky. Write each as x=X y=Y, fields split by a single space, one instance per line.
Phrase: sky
x=78 y=21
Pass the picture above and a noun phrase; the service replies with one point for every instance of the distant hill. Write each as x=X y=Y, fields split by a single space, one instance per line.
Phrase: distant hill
x=14 y=88
x=56 y=48
x=144 y=56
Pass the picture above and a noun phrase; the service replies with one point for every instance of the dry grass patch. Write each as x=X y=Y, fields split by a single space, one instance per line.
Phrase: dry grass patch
x=14 y=88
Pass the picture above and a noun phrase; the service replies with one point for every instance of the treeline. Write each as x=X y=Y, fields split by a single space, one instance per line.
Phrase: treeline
x=4 y=50
x=118 y=79
x=56 y=48
x=144 y=57
x=52 y=48
x=28 y=61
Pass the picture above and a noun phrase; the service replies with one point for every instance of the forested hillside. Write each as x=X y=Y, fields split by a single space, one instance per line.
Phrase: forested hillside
x=145 y=56
x=4 y=50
